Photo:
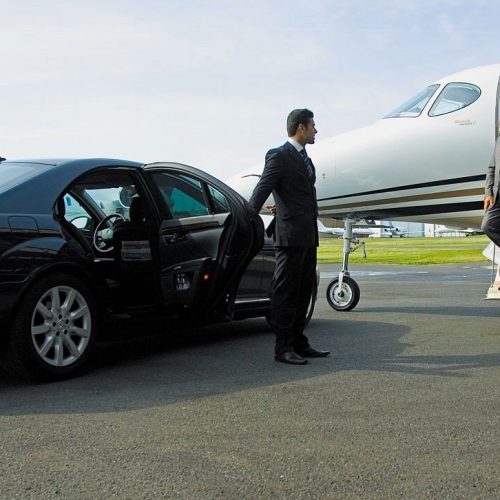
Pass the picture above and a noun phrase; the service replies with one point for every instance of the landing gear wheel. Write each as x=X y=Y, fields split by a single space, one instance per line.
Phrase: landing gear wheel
x=345 y=298
x=54 y=330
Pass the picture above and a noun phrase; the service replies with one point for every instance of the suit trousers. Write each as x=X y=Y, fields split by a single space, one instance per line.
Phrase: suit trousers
x=491 y=223
x=293 y=282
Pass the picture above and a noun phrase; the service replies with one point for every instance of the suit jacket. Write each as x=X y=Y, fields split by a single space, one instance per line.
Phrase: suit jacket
x=285 y=175
x=493 y=173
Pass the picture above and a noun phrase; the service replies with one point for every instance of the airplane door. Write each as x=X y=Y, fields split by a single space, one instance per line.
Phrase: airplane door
x=498 y=110
x=207 y=238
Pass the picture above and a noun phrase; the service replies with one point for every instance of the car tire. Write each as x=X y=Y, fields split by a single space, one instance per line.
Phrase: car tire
x=54 y=330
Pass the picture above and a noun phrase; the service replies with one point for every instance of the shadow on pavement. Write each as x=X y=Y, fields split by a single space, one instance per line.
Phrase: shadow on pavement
x=158 y=370
x=473 y=311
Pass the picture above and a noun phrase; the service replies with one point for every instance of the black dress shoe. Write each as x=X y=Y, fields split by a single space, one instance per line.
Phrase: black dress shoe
x=312 y=353
x=291 y=358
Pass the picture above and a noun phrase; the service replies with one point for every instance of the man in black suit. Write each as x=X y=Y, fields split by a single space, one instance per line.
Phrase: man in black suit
x=290 y=175
x=491 y=220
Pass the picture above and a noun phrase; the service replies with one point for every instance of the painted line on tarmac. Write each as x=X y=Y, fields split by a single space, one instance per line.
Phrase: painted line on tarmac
x=331 y=274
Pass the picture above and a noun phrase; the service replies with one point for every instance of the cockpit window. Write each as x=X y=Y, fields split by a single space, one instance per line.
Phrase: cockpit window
x=413 y=107
x=454 y=96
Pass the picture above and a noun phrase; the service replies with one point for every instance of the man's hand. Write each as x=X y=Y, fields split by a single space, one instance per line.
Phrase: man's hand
x=271 y=208
x=488 y=201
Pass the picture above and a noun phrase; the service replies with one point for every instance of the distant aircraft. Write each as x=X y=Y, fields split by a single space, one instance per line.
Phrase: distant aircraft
x=383 y=230
x=332 y=231
x=424 y=162
x=452 y=231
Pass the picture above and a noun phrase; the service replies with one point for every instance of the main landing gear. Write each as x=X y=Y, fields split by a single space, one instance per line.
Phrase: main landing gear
x=343 y=292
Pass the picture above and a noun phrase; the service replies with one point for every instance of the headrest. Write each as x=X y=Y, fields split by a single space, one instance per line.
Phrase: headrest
x=137 y=213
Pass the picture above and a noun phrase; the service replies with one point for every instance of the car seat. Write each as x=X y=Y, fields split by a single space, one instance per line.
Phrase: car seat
x=131 y=238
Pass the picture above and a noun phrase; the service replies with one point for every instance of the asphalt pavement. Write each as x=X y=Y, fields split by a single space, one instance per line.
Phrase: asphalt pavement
x=407 y=406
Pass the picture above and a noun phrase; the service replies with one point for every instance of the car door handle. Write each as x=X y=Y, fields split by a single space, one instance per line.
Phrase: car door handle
x=172 y=238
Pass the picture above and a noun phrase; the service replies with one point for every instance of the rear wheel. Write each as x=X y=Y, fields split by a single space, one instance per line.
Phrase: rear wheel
x=54 y=330
x=345 y=297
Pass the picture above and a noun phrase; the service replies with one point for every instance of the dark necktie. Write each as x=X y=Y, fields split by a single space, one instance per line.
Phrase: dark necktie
x=307 y=161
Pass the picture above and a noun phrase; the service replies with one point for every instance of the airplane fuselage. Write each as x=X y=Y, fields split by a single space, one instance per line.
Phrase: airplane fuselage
x=425 y=162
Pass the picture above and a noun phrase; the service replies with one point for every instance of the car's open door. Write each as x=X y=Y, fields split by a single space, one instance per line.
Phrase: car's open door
x=207 y=238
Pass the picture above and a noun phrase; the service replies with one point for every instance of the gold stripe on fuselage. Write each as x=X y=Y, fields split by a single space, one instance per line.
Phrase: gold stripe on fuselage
x=406 y=199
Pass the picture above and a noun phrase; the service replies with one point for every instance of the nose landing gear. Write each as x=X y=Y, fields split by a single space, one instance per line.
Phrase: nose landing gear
x=343 y=292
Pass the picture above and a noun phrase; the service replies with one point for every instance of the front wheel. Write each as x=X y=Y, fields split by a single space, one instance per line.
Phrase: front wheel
x=54 y=330
x=343 y=298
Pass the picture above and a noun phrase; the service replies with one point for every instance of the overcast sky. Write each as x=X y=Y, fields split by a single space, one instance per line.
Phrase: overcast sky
x=209 y=83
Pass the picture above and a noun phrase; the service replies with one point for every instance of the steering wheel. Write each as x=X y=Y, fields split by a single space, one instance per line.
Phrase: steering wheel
x=103 y=236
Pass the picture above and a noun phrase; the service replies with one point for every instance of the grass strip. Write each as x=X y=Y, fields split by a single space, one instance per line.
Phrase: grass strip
x=441 y=250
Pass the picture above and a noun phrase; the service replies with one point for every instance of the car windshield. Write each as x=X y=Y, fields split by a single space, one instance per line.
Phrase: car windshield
x=108 y=200
x=14 y=173
x=413 y=107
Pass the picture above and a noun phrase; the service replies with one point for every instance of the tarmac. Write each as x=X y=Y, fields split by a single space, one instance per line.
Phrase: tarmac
x=407 y=406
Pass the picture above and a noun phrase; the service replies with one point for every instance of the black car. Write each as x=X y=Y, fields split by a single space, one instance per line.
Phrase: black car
x=84 y=242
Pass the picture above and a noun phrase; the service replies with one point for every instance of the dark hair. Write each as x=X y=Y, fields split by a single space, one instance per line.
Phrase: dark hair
x=295 y=118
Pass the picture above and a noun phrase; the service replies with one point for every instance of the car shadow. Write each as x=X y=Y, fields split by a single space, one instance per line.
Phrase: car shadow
x=158 y=370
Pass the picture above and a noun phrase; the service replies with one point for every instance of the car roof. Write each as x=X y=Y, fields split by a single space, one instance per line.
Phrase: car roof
x=37 y=192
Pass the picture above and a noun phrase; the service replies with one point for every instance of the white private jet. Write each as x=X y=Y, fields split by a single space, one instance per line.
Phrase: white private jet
x=454 y=231
x=424 y=162
x=373 y=230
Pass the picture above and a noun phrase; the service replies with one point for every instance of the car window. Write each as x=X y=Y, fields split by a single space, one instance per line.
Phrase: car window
x=108 y=200
x=221 y=205
x=453 y=97
x=75 y=213
x=183 y=195
x=102 y=194
x=12 y=174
